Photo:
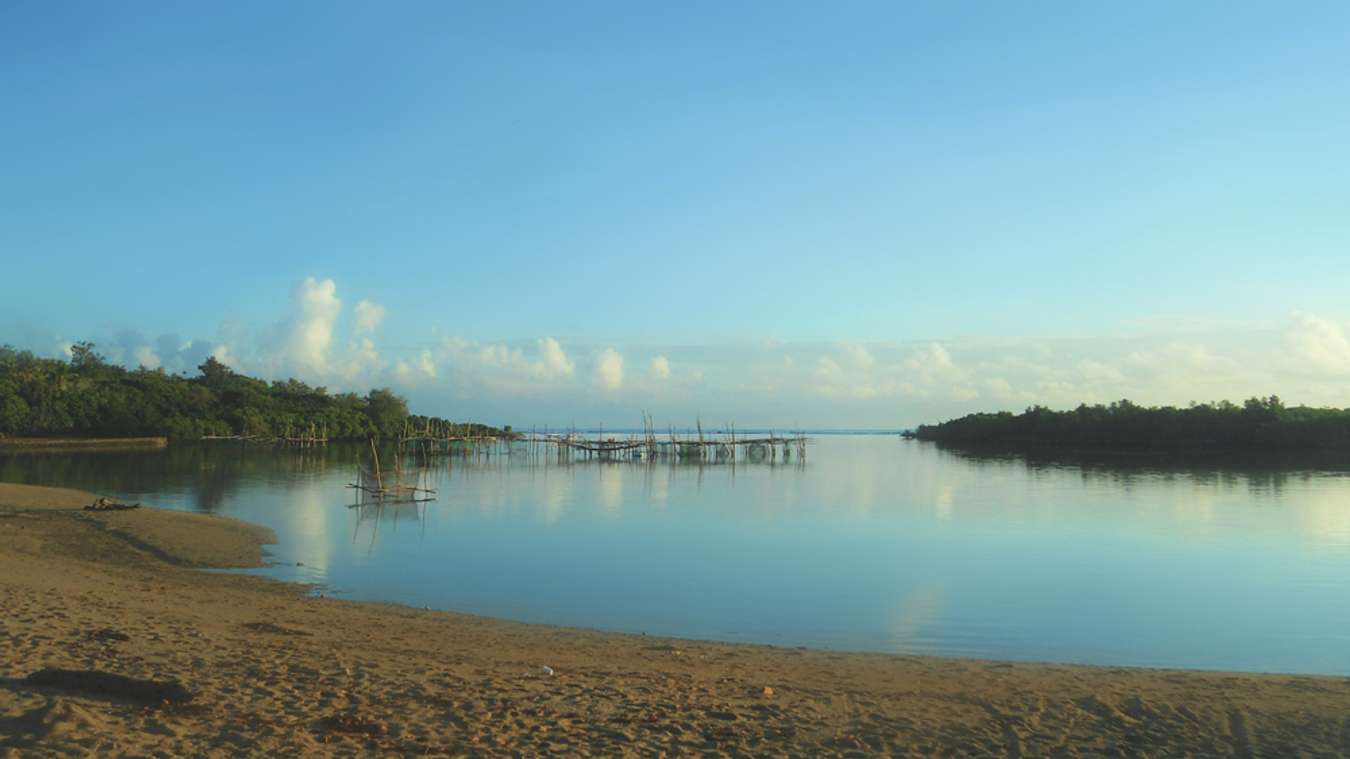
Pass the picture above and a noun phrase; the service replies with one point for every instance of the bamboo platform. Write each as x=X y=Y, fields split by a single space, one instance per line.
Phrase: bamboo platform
x=696 y=447
x=378 y=486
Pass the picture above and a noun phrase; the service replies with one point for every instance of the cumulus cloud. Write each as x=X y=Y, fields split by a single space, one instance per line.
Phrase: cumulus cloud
x=419 y=370
x=1097 y=371
x=146 y=358
x=609 y=369
x=931 y=372
x=856 y=372
x=1304 y=359
x=500 y=355
x=1319 y=344
x=222 y=354
x=305 y=342
x=860 y=356
x=931 y=363
x=502 y=369
x=363 y=359
x=309 y=332
x=549 y=362
x=660 y=368
x=185 y=355
x=1002 y=391
x=1161 y=359
x=553 y=361
x=828 y=369
x=368 y=316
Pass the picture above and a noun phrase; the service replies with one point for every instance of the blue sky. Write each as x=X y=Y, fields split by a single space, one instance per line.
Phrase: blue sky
x=856 y=214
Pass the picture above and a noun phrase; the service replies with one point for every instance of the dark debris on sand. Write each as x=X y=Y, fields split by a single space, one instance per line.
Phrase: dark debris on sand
x=109 y=685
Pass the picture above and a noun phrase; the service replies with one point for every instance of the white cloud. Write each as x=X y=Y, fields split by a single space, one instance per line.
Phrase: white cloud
x=500 y=355
x=861 y=357
x=363 y=360
x=222 y=354
x=147 y=358
x=856 y=382
x=1305 y=360
x=500 y=369
x=553 y=361
x=1001 y=390
x=309 y=332
x=931 y=363
x=931 y=372
x=1168 y=357
x=609 y=369
x=1319 y=344
x=418 y=371
x=828 y=369
x=660 y=368
x=1096 y=371
x=368 y=316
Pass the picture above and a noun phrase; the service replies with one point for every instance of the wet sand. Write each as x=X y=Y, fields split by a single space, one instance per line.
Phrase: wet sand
x=263 y=669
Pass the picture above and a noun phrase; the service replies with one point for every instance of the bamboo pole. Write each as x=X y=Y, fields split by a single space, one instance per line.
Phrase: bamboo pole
x=375 y=454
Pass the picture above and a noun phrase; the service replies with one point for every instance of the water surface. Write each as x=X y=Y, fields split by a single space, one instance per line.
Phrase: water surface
x=872 y=543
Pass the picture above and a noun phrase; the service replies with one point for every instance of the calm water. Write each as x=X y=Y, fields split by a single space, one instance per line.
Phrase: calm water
x=872 y=544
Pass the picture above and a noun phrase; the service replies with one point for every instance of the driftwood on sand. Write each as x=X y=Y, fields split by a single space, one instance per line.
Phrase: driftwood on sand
x=109 y=685
x=103 y=504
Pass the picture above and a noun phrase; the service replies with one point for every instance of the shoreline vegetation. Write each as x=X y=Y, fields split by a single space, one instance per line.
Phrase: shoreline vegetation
x=9 y=444
x=1259 y=425
x=50 y=403
x=107 y=611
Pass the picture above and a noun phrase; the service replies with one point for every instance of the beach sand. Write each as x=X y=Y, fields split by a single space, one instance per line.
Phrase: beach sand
x=273 y=671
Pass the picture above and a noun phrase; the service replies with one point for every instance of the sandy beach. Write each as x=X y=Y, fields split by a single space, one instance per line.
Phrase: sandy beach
x=222 y=664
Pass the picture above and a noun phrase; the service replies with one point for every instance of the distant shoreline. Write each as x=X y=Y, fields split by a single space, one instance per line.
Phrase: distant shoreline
x=1258 y=425
x=81 y=443
x=1047 y=450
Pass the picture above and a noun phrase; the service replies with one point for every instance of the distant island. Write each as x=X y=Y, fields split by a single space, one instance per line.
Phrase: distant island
x=89 y=397
x=1257 y=424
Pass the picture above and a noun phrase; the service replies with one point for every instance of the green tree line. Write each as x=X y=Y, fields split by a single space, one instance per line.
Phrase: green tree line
x=87 y=396
x=1257 y=424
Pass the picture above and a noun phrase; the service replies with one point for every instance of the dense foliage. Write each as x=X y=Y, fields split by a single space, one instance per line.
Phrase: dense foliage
x=87 y=396
x=1258 y=424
